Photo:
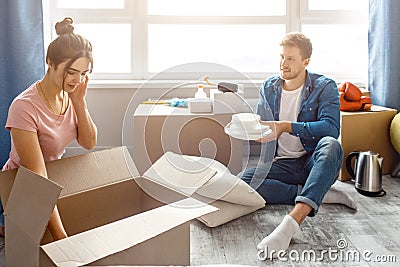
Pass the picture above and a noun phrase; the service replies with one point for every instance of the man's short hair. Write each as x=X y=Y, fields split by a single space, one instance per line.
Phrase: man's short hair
x=299 y=40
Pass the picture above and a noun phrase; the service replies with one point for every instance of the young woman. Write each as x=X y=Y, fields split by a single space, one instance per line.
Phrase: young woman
x=50 y=114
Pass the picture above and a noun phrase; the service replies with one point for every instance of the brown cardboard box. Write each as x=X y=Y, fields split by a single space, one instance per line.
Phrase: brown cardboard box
x=107 y=209
x=160 y=128
x=368 y=130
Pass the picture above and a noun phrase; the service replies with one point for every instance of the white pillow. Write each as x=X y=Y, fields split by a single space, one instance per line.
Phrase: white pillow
x=227 y=211
x=213 y=184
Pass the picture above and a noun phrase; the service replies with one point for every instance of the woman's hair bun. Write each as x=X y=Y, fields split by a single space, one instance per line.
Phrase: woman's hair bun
x=65 y=26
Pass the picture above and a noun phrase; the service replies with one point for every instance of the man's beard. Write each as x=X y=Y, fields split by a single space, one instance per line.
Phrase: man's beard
x=289 y=75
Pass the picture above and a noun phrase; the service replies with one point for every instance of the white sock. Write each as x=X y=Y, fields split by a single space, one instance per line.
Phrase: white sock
x=337 y=196
x=280 y=238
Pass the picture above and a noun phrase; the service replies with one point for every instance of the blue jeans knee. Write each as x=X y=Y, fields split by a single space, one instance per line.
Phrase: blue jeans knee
x=325 y=163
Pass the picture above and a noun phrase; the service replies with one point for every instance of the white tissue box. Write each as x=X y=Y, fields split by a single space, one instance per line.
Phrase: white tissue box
x=200 y=105
x=228 y=102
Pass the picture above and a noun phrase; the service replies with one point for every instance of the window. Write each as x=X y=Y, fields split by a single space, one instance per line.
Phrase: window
x=134 y=39
x=339 y=33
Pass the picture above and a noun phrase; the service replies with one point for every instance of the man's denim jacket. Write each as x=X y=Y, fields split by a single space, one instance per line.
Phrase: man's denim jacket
x=319 y=113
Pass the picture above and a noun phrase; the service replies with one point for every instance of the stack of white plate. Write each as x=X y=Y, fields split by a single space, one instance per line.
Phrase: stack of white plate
x=247 y=126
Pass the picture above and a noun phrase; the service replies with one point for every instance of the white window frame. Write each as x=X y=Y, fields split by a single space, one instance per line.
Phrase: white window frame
x=135 y=13
x=331 y=17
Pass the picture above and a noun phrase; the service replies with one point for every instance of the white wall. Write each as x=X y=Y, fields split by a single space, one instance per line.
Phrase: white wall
x=107 y=108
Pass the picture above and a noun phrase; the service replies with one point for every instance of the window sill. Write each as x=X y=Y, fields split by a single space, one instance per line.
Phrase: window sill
x=163 y=84
x=155 y=84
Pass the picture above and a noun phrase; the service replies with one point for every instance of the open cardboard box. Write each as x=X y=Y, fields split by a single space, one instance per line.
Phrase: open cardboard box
x=108 y=210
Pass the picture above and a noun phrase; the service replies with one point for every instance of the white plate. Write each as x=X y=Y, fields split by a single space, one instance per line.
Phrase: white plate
x=245 y=118
x=246 y=135
x=256 y=130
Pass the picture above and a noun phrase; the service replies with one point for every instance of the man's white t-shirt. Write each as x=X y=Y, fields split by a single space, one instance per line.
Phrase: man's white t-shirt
x=289 y=146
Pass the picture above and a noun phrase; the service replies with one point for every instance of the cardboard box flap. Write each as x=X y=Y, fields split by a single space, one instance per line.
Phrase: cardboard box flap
x=29 y=206
x=183 y=174
x=109 y=239
x=6 y=183
x=31 y=201
x=20 y=250
x=94 y=170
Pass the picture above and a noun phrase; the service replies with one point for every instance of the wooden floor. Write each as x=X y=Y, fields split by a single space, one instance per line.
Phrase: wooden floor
x=372 y=230
x=375 y=227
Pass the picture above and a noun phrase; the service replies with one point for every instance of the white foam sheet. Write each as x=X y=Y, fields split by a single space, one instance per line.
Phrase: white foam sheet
x=106 y=240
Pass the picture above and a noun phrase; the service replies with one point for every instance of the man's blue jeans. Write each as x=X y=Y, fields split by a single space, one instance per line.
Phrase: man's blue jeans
x=306 y=179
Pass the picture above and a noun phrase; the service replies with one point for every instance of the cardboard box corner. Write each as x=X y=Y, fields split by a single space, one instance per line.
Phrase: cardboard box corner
x=367 y=131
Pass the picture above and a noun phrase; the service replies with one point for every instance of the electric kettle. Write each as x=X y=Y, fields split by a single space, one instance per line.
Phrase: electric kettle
x=367 y=172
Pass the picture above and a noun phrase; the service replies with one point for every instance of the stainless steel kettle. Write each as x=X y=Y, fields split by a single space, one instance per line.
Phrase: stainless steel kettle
x=367 y=172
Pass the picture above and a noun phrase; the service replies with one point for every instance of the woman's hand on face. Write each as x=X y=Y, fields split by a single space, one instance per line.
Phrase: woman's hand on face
x=79 y=94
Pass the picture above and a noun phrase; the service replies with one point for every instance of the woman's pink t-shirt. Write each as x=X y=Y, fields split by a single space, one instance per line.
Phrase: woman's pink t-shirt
x=29 y=112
